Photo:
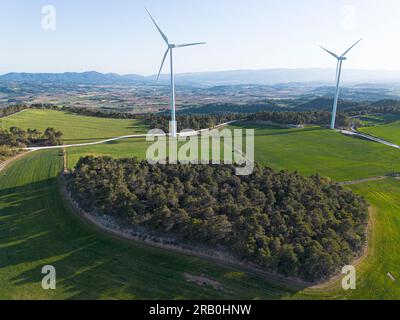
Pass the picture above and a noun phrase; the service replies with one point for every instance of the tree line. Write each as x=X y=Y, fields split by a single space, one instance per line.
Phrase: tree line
x=300 y=118
x=381 y=107
x=10 y=110
x=191 y=121
x=284 y=222
x=18 y=138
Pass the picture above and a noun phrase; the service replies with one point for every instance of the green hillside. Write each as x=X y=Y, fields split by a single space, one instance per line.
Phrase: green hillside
x=37 y=228
x=76 y=128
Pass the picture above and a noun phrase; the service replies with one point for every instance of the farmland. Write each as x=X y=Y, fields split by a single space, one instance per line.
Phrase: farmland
x=76 y=128
x=38 y=228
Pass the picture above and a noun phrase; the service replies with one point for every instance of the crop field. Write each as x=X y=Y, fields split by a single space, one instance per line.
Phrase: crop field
x=125 y=148
x=38 y=228
x=76 y=128
x=309 y=151
x=388 y=130
x=316 y=150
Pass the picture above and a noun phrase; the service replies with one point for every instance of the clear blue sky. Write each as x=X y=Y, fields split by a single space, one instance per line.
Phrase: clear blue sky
x=117 y=36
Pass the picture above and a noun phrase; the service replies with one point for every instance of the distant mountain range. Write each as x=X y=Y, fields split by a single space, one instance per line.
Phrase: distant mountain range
x=262 y=77
x=90 y=77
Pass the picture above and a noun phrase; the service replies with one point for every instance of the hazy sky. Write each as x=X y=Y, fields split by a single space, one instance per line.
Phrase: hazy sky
x=117 y=36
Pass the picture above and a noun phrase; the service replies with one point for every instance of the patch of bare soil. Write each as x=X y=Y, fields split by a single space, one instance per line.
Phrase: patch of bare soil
x=203 y=281
x=353 y=182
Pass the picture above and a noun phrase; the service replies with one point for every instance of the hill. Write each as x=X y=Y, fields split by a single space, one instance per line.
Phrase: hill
x=90 y=77
x=75 y=128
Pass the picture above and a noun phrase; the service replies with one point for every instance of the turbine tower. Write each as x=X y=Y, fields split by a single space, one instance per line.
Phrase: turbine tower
x=170 y=47
x=340 y=60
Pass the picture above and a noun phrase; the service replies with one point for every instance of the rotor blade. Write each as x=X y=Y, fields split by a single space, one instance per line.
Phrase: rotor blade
x=331 y=53
x=346 y=52
x=162 y=63
x=189 y=44
x=159 y=29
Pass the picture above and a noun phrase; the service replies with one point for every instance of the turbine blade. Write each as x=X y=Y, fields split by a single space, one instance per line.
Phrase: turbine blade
x=158 y=28
x=348 y=50
x=162 y=63
x=189 y=44
x=330 y=52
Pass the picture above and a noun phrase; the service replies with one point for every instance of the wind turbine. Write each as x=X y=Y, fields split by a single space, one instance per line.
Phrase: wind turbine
x=340 y=60
x=170 y=47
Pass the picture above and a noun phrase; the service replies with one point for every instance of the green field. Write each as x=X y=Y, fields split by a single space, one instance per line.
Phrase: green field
x=126 y=148
x=389 y=131
x=316 y=150
x=309 y=151
x=38 y=229
x=76 y=128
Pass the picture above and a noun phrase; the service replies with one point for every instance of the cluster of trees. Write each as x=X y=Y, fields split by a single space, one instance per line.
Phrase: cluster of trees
x=281 y=221
x=224 y=107
x=95 y=112
x=381 y=107
x=6 y=152
x=190 y=121
x=19 y=138
x=7 y=111
x=300 y=118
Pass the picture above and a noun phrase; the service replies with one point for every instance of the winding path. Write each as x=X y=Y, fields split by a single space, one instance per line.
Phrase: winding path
x=182 y=134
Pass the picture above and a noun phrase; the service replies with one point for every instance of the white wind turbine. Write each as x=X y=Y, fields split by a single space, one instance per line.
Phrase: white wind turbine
x=340 y=60
x=169 y=50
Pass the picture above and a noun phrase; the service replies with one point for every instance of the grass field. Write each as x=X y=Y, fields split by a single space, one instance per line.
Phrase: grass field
x=36 y=228
x=76 y=128
x=308 y=151
x=126 y=148
x=389 y=131
x=316 y=150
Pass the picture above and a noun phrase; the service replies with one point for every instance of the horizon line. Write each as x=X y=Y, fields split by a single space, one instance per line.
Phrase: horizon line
x=198 y=72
